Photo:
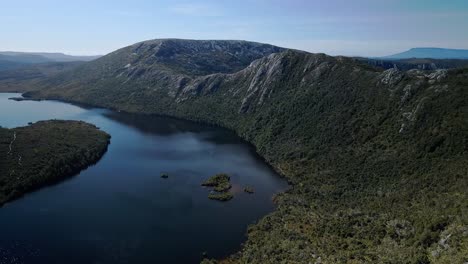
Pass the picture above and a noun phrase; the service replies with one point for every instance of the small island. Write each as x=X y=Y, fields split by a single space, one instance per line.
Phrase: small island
x=46 y=152
x=223 y=196
x=221 y=185
x=249 y=190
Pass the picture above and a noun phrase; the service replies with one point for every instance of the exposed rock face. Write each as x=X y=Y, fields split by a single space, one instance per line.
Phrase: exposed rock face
x=189 y=57
x=199 y=86
x=265 y=72
x=437 y=76
x=203 y=57
x=391 y=76
x=180 y=68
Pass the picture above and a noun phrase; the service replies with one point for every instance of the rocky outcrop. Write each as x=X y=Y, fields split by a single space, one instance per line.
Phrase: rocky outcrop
x=391 y=77
x=437 y=76
x=194 y=57
x=265 y=73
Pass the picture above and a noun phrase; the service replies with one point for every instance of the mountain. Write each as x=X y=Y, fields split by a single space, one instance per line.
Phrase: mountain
x=19 y=60
x=419 y=64
x=188 y=57
x=13 y=60
x=41 y=57
x=430 y=53
x=47 y=56
x=376 y=158
x=23 y=58
x=60 y=57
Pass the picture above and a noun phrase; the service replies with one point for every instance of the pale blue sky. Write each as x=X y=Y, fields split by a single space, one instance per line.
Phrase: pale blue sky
x=336 y=27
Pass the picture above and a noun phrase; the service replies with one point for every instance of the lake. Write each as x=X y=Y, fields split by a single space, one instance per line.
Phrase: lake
x=120 y=210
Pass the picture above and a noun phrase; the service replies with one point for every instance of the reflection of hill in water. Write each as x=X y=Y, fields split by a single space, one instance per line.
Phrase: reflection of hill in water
x=165 y=126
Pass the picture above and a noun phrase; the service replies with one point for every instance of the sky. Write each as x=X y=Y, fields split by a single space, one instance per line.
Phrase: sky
x=335 y=27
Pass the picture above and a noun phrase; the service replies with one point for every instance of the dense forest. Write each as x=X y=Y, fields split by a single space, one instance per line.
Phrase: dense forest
x=46 y=152
x=377 y=159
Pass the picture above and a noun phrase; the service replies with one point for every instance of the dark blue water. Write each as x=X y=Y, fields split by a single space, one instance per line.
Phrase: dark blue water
x=120 y=210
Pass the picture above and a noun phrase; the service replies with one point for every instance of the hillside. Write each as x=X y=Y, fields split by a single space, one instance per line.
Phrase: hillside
x=17 y=60
x=25 y=77
x=44 y=153
x=430 y=53
x=23 y=58
x=41 y=57
x=5 y=64
x=377 y=159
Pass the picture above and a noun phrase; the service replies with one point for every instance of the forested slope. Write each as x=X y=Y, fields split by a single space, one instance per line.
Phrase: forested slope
x=46 y=152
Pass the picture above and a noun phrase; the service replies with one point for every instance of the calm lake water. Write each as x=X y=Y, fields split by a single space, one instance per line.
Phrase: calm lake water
x=120 y=210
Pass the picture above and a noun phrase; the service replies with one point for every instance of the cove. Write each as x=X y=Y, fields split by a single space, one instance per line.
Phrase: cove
x=120 y=210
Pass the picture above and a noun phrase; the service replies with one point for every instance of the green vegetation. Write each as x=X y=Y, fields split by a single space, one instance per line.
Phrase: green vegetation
x=220 y=196
x=46 y=152
x=220 y=182
x=28 y=77
x=419 y=64
x=377 y=159
x=208 y=261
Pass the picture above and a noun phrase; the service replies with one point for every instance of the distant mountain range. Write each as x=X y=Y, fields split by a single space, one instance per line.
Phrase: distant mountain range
x=44 y=56
x=430 y=53
x=13 y=60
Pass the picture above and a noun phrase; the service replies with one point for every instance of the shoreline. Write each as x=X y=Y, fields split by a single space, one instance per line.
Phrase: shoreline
x=197 y=121
x=254 y=148
x=55 y=172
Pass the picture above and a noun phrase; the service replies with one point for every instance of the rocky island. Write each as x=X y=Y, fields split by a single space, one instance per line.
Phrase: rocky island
x=221 y=185
x=46 y=152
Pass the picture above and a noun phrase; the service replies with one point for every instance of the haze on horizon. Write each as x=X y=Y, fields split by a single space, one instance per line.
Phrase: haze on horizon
x=335 y=27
